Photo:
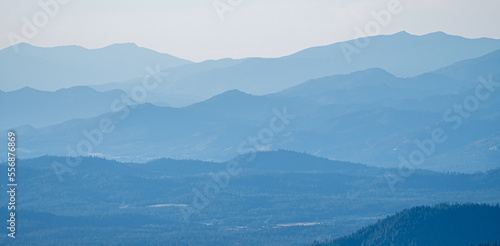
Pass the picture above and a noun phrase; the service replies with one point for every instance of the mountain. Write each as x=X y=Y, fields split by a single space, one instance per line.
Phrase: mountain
x=161 y=131
x=232 y=123
x=28 y=106
x=269 y=198
x=471 y=69
x=123 y=66
x=401 y=54
x=376 y=131
x=375 y=85
x=461 y=224
x=67 y=66
x=370 y=116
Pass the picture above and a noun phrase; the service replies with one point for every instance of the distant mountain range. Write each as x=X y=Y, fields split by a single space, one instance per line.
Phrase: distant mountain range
x=28 y=106
x=401 y=54
x=68 y=66
x=123 y=66
x=468 y=224
x=470 y=69
x=370 y=116
x=343 y=144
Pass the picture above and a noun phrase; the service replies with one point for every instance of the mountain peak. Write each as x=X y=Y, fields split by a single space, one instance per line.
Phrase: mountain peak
x=23 y=44
x=230 y=95
x=403 y=33
x=233 y=92
x=439 y=33
x=370 y=73
x=123 y=45
x=374 y=71
x=78 y=89
x=26 y=89
x=225 y=99
x=18 y=47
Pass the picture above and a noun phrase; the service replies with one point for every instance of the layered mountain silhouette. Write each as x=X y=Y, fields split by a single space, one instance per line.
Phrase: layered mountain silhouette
x=470 y=69
x=66 y=66
x=370 y=116
x=343 y=144
x=28 y=106
x=124 y=66
x=401 y=54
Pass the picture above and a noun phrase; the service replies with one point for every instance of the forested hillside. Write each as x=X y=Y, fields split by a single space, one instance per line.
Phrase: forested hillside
x=465 y=224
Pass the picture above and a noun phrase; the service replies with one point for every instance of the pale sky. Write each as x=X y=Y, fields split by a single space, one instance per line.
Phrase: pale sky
x=192 y=29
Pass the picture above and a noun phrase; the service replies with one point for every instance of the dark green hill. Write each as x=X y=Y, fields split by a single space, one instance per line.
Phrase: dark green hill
x=439 y=225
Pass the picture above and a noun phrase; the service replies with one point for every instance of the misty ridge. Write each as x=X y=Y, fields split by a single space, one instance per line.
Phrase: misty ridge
x=315 y=148
x=367 y=116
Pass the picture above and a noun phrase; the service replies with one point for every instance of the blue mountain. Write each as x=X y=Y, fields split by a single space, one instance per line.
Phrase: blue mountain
x=369 y=116
x=28 y=106
x=401 y=54
x=471 y=69
x=68 y=66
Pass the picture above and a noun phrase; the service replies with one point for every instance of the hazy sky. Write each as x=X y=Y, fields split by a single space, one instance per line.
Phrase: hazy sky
x=192 y=29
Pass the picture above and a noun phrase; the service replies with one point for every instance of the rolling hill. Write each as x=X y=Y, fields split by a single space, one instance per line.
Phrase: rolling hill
x=466 y=224
x=277 y=197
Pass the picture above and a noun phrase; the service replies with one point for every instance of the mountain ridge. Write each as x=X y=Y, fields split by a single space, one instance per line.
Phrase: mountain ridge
x=52 y=68
x=442 y=224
